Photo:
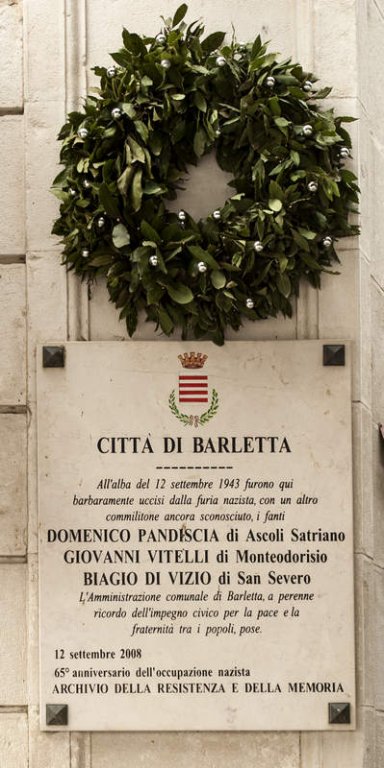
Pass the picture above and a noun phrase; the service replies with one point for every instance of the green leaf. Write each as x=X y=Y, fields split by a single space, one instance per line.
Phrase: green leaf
x=200 y=101
x=213 y=41
x=218 y=279
x=103 y=260
x=137 y=190
x=124 y=180
x=179 y=15
x=178 y=96
x=120 y=236
x=275 y=204
x=201 y=255
x=180 y=293
x=165 y=321
x=199 y=143
x=108 y=201
x=129 y=110
x=149 y=232
x=307 y=233
x=284 y=285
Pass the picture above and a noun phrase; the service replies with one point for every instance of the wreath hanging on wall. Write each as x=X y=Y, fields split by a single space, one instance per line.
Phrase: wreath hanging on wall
x=167 y=101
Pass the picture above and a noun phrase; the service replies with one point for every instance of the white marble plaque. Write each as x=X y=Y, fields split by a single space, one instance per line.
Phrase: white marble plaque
x=196 y=567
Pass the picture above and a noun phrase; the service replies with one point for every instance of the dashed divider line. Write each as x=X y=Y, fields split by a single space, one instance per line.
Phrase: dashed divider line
x=171 y=467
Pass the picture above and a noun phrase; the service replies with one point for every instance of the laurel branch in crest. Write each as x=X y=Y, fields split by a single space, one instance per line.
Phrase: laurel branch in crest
x=192 y=419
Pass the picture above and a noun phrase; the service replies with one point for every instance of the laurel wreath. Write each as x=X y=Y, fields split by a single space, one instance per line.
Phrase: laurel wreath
x=194 y=419
x=167 y=101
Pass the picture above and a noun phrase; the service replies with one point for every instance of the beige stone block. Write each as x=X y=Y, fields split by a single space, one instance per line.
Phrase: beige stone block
x=47 y=322
x=45 y=50
x=364 y=620
x=13 y=488
x=12 y=238
x=371 y=31
x=367 y=173
x=340 y=750
x=13 y=635
x=183 y=750
x=274 y=20
x=47 y=750
x=12 y=340
x=379 y=634
x=14 y=739
x=33 y=631
x=363 y=363
x=362 y=478
x=377 y=304
x=379 y=742
x=11 y=45
x=335 y=45
x=337 y=299
x=42 y=208
x=378 y=493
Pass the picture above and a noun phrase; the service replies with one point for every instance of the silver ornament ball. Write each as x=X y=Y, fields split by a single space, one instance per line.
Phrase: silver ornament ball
x=307 y=85
x=270 y=81
x=72 y=192
x=85 y=253
x=101 y=222
x=165 y=63
x=217 y=215
x=86 y=184
x=312 y=186
x=327 y=242
x=344 y=152
x=182 y=216
x=82 y=133
x=249 y=303
x=202 y=267
x=258 y=246
x=111 y=72
x=153 y=260
x=160 y=38
x=116 y=113
x=307 y=130
x=221 y=61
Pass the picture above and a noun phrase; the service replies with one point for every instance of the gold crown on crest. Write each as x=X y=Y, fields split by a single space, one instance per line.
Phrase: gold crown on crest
x=192 y=359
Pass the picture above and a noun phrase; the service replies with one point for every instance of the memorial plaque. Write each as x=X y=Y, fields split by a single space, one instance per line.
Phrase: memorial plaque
x=196 y=537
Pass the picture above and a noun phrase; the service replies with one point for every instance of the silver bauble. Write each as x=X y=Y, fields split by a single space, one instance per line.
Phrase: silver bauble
x=307 y=85
x=258 y=246
x=217 y=215
x=312 y=186
x=153 y=260
x=270 y=81
x=111 y=71
x=249 y=303
x=72 y=192
x=82 y=133
x=182 y=216
x=160 y=38
x=344 y=152
x=86 y=184
x=202 y=267
x=101 y=222
x=327 y=242
x=307 y=130
x=116 y=113
x=165 y=63
x=221 y=61
x=85 y=253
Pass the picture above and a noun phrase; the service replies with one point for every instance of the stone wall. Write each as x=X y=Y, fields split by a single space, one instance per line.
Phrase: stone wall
x=48 y=48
